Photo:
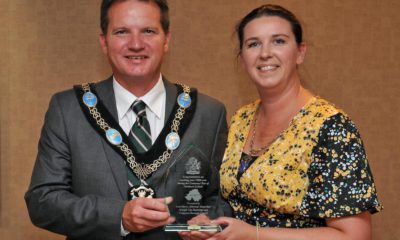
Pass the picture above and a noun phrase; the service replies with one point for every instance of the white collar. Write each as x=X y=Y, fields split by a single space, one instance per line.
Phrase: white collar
x=152 y=98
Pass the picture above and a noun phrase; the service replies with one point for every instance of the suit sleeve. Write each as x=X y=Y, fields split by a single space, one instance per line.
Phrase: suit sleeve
x=221 y=207
x=50 y=199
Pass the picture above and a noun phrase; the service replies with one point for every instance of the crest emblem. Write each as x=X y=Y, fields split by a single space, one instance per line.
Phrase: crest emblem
x=141 y=191
x=194 y=195
x=193 y=166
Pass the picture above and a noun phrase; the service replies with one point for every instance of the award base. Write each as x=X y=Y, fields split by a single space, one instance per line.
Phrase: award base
x=189 y=228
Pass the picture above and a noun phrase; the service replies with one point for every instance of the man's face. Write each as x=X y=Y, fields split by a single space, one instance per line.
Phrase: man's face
x=135 y=42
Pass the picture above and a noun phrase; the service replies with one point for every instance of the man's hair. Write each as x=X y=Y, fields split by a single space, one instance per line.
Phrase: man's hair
x=106 y=5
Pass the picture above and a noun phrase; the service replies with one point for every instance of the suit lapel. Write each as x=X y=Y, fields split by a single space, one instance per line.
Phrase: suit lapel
x=105 y=91
x=106 y=94
x=171 y=96
x=170 y=92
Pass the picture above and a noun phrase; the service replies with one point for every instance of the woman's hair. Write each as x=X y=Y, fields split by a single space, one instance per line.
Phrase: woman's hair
x=269 y=10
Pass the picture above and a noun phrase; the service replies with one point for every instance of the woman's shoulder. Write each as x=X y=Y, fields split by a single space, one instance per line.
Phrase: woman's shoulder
x=322 y=111
x=246 y=110
x=336 y=128
x=325 y=108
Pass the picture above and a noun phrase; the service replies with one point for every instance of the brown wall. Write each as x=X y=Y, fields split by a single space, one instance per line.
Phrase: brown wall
x=49 y=45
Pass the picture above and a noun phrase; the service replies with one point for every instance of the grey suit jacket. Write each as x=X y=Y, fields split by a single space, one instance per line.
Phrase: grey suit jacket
x=79 y=182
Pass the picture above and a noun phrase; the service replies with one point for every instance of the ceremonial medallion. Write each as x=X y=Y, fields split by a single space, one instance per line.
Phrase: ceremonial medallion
x=106 y=125
x=172 y=141
x=143 y=191
x=184 y=100
x=89 y=99
x=113 y=136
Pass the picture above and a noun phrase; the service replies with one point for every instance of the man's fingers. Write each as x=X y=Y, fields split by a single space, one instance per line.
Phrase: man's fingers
x=148 y=224
x=157 y=204
x=143 y=214
x=141 y=225
x=168 y=200
x=150 y=209
x=152 y=215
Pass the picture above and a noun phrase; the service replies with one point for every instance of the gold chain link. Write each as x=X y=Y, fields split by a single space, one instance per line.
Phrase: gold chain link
x=141 y=170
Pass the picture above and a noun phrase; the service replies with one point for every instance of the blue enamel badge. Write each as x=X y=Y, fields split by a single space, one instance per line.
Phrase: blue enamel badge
x=89 y=99
x=113 y=136
x=172 y=141
x=184 y=100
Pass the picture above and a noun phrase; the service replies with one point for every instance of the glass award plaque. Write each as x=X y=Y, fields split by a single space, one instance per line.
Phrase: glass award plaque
x=188 y=190
x=188 y=228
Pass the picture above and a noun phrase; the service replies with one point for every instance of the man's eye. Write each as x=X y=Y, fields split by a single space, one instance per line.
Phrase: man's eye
x=149 y=31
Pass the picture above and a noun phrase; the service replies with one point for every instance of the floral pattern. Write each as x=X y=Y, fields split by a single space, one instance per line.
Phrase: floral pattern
x=315 y=169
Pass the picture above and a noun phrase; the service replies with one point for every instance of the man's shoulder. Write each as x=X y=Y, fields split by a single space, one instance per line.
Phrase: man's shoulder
x=209 y=101
x=202 y=99
x=64 y=94
x=69 y=94
x=210 y=110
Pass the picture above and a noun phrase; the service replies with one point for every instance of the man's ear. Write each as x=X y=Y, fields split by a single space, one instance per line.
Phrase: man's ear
x=103 y=43
x=167 y=39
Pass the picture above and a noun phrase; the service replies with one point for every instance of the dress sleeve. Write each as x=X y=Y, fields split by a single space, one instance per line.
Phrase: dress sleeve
x=341 y=182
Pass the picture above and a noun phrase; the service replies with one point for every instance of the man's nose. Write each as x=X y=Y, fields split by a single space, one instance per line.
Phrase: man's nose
x=136 y=42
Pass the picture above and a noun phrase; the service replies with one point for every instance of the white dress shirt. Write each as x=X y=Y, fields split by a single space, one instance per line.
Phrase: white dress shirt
x=155 y=107
x=155 y=110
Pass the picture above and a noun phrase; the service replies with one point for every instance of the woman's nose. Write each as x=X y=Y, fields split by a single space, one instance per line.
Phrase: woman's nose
x=265 y=51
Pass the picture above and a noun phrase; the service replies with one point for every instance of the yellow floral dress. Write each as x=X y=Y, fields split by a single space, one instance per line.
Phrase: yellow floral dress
x=315 y=169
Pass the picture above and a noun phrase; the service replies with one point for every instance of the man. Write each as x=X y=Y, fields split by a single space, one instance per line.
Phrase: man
x=114 y=154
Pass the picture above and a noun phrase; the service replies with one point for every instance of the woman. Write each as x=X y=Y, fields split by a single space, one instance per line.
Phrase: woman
x=295 y=166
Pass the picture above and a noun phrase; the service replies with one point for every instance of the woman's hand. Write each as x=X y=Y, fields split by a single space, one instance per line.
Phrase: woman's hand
x=196 y=235
x=235 y=229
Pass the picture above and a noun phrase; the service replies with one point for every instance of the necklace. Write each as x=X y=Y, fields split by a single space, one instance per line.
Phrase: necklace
x=115 y=138
x=256 y=152
x=110 y=131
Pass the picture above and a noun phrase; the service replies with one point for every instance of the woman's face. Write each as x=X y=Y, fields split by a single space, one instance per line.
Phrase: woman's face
x=270 y=54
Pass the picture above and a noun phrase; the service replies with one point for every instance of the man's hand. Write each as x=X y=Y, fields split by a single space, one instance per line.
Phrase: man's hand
x=143 y=214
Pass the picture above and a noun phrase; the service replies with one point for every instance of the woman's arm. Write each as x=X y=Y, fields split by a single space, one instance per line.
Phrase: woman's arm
x=356 y=227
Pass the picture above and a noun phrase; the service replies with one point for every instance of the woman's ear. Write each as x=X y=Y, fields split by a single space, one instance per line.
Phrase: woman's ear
x=241 y=61
x=302 y=53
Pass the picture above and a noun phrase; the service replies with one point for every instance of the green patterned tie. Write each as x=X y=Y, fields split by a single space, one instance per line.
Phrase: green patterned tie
x=139 y=135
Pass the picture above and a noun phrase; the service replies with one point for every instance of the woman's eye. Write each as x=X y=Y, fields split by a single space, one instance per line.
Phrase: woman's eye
x=279 y=41
x=253 y=44
x=119 y=32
